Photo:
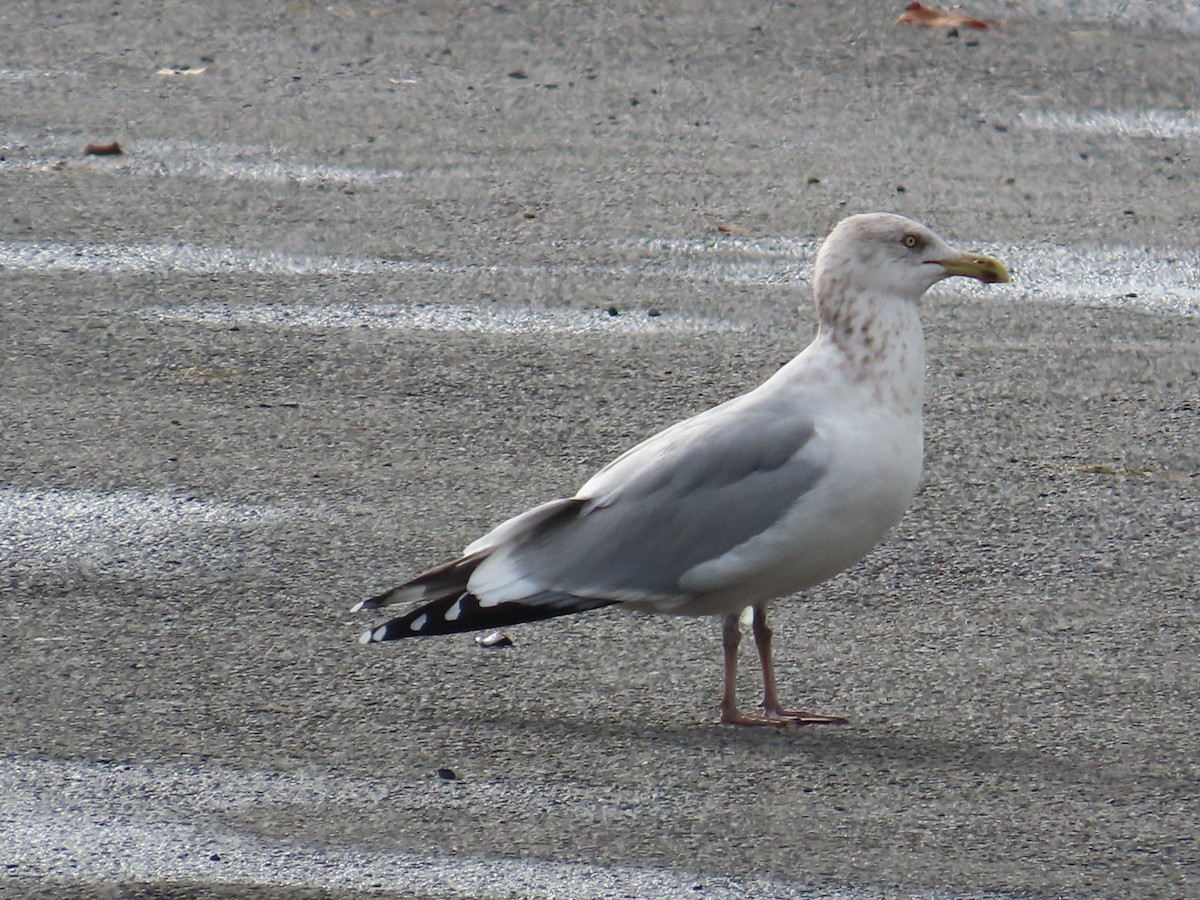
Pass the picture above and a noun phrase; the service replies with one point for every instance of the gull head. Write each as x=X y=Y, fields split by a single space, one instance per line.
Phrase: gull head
x=880 y=254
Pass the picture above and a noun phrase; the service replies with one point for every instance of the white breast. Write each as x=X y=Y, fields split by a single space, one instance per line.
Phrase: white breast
x=870 y=445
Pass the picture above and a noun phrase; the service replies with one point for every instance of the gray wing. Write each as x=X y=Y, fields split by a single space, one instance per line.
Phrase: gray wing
x=687 y=496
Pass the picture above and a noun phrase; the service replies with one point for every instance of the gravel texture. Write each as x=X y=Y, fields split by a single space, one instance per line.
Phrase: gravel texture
x=253 y=373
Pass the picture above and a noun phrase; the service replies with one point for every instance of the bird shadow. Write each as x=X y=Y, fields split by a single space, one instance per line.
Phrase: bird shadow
x=863 y=745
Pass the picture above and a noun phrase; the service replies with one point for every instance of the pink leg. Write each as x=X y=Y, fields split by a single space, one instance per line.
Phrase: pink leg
x=771 y=705
x=731 y=637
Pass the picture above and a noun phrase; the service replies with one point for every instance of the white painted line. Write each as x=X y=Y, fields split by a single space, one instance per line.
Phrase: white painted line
x=245 y=163
x=1154 y=280
x=48 y=528
x=35 y=74
x=442 y=318
x=110 y=259
x=767 y=261
x=148 y=157
x=1160 y=280
x=1128 y=123
x=105 y=823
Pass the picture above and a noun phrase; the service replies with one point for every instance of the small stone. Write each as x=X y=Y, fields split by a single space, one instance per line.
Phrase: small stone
x=494 y=640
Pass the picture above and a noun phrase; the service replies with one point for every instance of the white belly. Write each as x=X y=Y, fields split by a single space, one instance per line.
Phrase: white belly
x=873 y=467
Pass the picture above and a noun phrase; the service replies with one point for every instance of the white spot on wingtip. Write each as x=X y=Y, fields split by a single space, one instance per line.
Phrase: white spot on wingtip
x=454 y=611
x=419 y=622
x=367 y=636
x=357 y=607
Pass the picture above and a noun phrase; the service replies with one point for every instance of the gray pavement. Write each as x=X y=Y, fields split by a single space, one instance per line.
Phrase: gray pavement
x=344 y=302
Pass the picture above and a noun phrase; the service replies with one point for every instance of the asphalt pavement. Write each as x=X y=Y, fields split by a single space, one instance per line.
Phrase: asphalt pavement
x=367 y=278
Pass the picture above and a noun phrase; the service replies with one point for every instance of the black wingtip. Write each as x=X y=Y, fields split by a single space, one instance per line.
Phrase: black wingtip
x=454 y=615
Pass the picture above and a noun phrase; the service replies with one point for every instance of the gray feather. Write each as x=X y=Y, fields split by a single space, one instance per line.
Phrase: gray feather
x=681 y=503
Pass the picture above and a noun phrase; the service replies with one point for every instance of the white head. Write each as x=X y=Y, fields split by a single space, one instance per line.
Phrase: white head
x=883 y=254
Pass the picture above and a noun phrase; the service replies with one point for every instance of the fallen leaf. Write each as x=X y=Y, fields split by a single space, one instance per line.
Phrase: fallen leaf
x=933 y=17
x=112 y=149
x=195 y=372
x=730 y=229
x=1102 y=469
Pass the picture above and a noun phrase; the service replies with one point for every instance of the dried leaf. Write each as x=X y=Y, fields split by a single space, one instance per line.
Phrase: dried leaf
x=196 y=372
x=730 y=229
x=1102 y=469
x=112 y=149
x=933 y=17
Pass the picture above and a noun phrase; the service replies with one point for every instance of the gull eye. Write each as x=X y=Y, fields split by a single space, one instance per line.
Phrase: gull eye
x=911 y=241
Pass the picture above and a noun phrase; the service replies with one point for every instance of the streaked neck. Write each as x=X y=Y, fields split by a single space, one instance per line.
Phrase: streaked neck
x=879 y=342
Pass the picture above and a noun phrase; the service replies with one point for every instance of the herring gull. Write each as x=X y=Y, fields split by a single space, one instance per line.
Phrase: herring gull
x=755 y=499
